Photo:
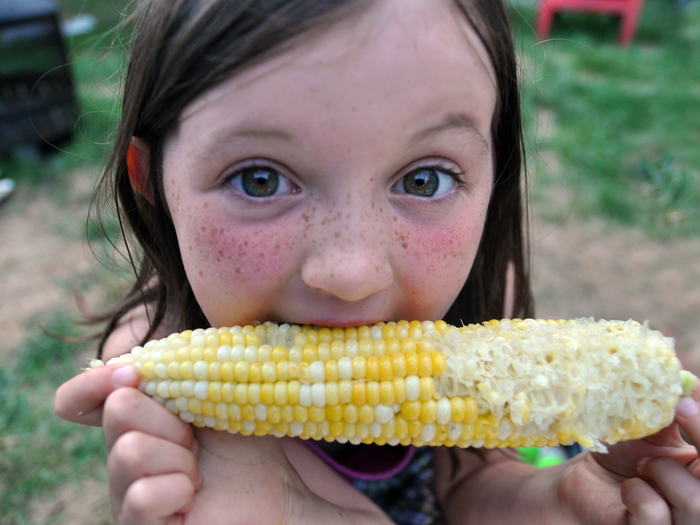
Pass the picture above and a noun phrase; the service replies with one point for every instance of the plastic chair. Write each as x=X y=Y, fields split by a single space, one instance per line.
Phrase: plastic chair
x=629 y=10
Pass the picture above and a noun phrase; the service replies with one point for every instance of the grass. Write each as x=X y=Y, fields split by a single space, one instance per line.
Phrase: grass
x=38 y=450
x=625 y=120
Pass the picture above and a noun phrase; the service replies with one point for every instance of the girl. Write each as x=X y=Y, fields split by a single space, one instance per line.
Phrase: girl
x=334 y=163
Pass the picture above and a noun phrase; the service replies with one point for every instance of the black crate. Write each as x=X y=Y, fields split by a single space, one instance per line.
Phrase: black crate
x=37 y=92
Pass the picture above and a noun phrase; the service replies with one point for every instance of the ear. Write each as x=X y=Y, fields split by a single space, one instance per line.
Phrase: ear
x=137 y=160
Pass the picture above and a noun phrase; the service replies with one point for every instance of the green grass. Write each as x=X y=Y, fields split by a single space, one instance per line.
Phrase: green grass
x=39 y=452
x=620 y=116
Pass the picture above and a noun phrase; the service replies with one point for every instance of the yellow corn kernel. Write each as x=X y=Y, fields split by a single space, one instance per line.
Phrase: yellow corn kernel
x=359 y=367
x=279 y=354
x=425 y=365
x=334 y=412
x=372 y=368
x=398 y=364
x=301 y=414
x=214 y=371
x=471 y=410
x=255 y=372
x=386 y=393
x=411 y=363
x=252 y=339
x=332 y=393
x=240 y=371
x=227 y=373
x=427 y=388
x=428 y=411
x=214 y=391
x=293 y=391
x=359 y=394
x=385 y=367
x=331 y=370
x=269 y=372
x=372 y=389
x=350 y=413
x=410 y=410
x=365 y=414
x=240 y=394
x=267 y=393
x=317 y=414
x=196 y=354
x=392 y=346
x=209 y=355
x=227 y=390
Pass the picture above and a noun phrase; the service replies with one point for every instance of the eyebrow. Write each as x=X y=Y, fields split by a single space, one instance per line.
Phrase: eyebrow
x=453 y=121
x=256 y=133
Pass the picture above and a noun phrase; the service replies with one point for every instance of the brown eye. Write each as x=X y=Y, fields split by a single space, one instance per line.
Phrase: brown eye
x=427 y=182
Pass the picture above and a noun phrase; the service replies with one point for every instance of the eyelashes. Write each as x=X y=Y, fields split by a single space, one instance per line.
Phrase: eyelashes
x=261 y=181
x=429 y=181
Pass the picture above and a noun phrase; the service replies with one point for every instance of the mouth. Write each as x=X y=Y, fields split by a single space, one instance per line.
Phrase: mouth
x=338 y=323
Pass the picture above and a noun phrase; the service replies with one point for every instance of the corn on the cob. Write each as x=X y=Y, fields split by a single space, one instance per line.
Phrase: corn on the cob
x=498 y=384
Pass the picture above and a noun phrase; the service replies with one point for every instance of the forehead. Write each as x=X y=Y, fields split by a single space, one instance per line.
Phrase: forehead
x=389 y=46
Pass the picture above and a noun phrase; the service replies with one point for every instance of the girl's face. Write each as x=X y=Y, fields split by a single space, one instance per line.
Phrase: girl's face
x=343 y=182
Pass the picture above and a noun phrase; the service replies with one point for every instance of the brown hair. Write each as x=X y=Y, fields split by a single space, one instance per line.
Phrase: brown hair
x=184 y=47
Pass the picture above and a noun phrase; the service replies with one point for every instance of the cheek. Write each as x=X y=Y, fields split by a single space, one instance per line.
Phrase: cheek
x=437 y=264
x=225 y=261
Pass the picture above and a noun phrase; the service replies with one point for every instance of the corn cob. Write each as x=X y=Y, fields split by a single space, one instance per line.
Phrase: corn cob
x=498 y=384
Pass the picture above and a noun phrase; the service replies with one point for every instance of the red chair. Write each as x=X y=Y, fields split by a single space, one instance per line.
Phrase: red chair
x=629 y=10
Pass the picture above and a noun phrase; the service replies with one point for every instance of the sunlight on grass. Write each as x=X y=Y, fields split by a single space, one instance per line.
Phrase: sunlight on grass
x=614 y=111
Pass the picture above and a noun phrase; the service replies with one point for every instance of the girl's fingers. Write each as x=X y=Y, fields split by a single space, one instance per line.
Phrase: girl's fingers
x=680 y=488
x=136 y=455
x=157 y=500
x=128 y=409
x=80 y=400
x=688 y=418
x=644 y=505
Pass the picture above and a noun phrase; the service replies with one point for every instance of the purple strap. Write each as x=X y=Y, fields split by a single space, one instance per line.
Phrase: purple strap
x=371 y=464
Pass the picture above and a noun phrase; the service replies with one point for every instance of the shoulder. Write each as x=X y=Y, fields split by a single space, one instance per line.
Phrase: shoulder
x=130 y=331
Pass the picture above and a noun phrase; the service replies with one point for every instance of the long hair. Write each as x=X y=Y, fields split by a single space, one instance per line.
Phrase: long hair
x=182 y=48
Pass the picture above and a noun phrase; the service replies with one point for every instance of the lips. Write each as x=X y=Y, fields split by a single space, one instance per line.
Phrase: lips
x=336 y=323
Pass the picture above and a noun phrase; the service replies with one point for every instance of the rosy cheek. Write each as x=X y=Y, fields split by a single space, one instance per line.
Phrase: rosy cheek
x=437 y=264
x=239 y=256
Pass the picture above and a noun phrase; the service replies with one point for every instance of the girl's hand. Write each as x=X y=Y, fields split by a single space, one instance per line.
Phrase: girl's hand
x=151 y=453
x=654 y=481
x=151 y=460
x=161 y=474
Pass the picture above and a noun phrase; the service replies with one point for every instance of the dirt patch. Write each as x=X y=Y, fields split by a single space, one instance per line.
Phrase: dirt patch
x=582 y=270
x=85 y=504
x=42 y=256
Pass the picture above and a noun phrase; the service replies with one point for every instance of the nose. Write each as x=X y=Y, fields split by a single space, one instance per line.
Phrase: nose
x=352 y=267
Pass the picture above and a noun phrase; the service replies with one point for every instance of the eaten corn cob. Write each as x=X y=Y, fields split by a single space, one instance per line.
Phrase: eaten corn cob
x=498 y=384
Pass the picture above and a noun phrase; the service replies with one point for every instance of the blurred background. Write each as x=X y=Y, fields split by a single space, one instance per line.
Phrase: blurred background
x=613 y=158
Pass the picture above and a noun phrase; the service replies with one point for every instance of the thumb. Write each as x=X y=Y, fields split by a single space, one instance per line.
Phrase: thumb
x=80 y=399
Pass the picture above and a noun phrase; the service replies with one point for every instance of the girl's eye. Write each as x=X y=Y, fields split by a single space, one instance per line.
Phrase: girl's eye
x=427 y=182
x=259 y=181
